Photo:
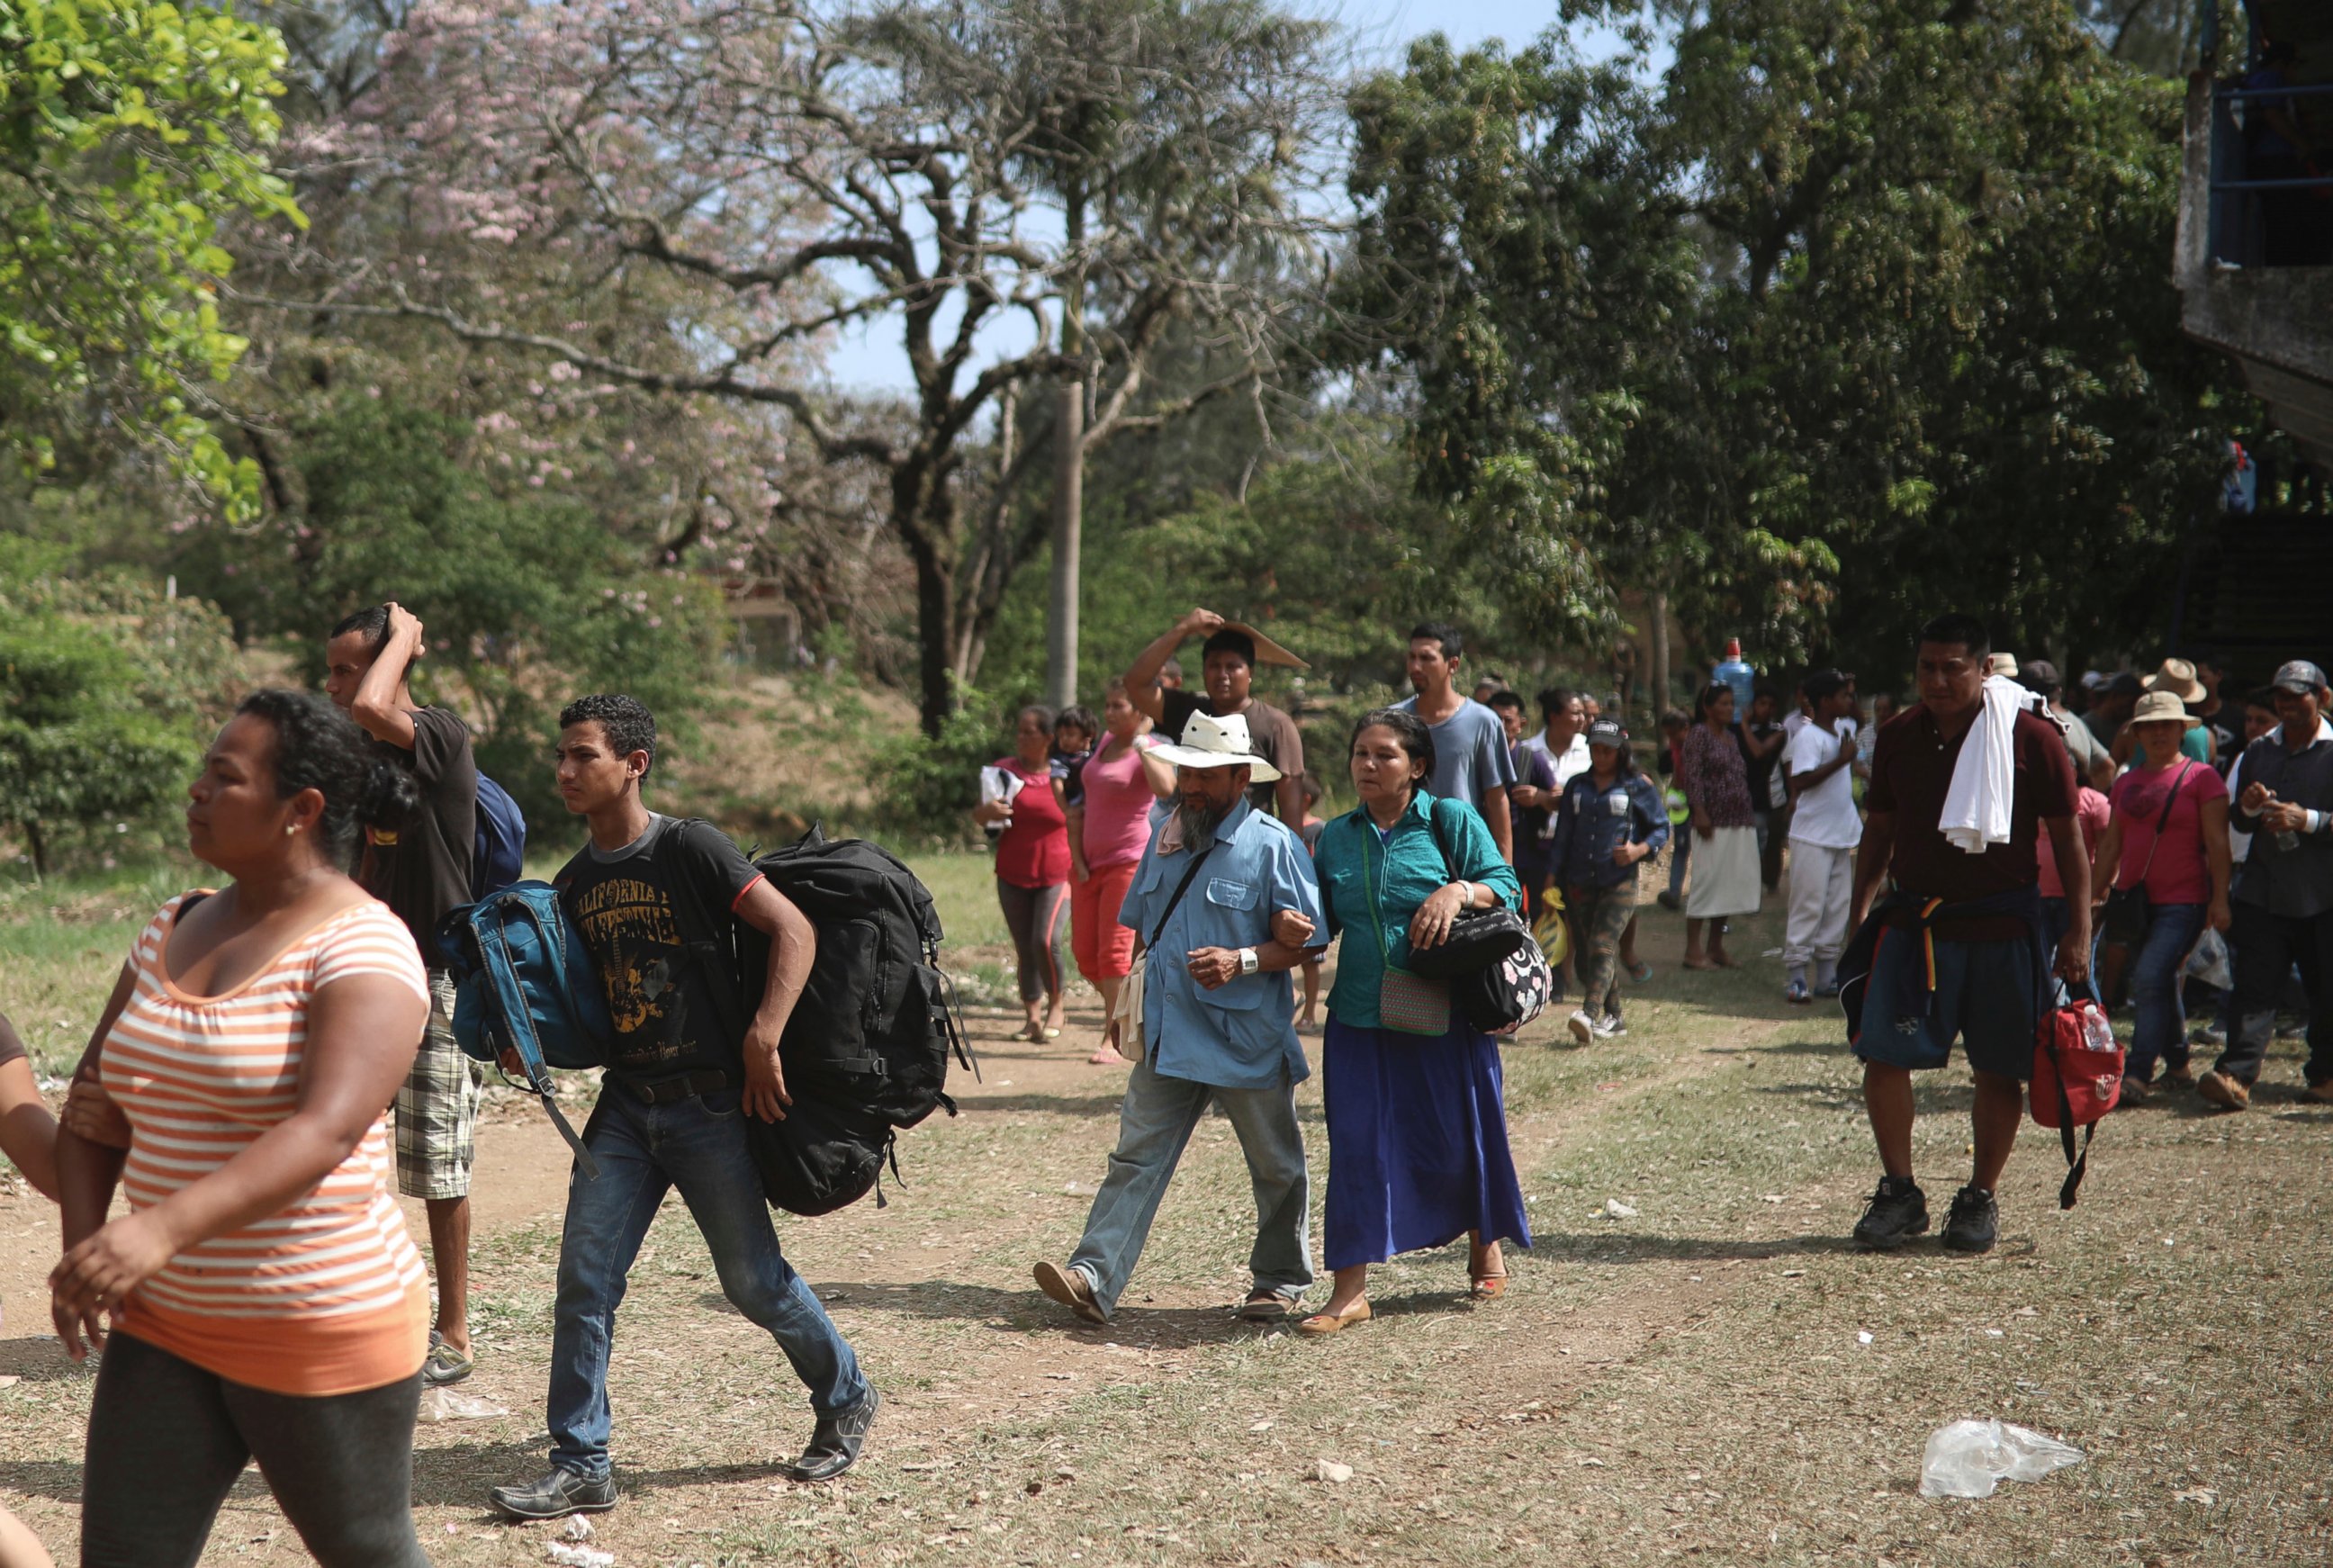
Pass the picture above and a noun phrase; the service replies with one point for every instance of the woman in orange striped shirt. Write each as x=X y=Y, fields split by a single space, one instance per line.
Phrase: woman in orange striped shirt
x=264 y=1299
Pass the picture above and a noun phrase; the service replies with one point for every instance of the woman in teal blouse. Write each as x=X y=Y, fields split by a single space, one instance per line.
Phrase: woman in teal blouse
x=1418 y=1132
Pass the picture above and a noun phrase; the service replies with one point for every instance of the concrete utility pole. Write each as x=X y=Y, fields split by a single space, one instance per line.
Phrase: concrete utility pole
x=1660 y=652
x=1069 y=467
x=1068 y=523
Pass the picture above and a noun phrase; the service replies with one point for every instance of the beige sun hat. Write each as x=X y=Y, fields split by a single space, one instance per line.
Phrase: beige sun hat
x=2177 y=676
x=2158 y=707
x=1209 y=741
x=2002 y=664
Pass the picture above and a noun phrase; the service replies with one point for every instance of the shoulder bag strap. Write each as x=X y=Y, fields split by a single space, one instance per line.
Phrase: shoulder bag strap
x=2170 y=799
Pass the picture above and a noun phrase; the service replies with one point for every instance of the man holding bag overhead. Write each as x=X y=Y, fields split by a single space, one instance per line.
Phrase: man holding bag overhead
x=1223 y=900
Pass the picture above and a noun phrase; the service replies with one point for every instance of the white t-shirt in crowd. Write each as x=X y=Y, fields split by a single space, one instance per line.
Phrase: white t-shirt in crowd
x=1570 y=764
x=1826 y=815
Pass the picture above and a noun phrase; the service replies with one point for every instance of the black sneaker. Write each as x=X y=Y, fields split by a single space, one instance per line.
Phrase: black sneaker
x=1974 y=1223
x=1898 y=1211
x=556 y=1495
x=834 y=1445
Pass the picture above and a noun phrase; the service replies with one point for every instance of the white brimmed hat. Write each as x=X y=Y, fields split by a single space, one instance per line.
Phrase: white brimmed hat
x=1209 y=741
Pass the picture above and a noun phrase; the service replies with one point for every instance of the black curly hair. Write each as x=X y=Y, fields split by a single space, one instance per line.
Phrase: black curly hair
x=318 y=747
x=626 y=721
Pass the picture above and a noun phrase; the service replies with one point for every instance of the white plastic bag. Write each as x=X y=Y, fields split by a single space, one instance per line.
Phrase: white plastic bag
x=443 y=1404
x=1970 y=1458
x=2210 y=962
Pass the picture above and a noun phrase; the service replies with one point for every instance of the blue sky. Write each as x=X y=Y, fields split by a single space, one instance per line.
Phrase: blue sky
x=872 y=360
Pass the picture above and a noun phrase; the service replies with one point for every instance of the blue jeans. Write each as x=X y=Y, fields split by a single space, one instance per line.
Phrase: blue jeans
x=2158 y=965
x=698 y=1145
x=1153 y=1124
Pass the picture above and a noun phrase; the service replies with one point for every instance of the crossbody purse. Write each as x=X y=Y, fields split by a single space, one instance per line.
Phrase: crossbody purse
x=1408 y=1004
x=1132 y=1037
x=2124 y=924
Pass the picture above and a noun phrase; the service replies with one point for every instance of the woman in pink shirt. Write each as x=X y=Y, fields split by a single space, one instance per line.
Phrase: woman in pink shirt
x=2168 y=834
x=2091 y=814
x=1109 y=829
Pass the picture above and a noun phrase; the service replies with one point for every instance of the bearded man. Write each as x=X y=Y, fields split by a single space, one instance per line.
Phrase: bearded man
x=1223 y=903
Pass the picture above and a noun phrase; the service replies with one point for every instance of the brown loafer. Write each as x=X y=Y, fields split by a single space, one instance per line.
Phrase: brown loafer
x=1264 y=1306
x=2222 y=1089
x=1069 y=1287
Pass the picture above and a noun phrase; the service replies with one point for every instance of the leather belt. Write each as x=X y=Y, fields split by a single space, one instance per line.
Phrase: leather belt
x=669 y=1090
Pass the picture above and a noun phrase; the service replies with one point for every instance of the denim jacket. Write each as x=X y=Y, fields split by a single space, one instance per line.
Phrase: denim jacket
x=1588 y=830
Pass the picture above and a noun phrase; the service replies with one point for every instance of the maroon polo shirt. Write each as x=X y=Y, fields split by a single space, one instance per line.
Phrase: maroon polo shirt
x=1912 y=769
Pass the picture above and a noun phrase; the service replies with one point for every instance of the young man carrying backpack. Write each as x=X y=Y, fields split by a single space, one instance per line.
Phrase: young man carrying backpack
x=422 y=870
x=672 y=1109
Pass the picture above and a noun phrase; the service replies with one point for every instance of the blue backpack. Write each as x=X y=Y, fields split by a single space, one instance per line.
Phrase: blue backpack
x=498 y=856
x=523 y=982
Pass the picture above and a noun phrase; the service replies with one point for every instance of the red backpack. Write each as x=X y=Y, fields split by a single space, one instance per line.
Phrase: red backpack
x=2078 y=1066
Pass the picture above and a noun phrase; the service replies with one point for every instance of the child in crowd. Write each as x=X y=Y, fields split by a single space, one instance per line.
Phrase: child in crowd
x=1074 y=734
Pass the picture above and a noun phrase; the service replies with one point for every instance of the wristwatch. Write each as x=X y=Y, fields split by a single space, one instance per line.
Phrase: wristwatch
x=1249 y=963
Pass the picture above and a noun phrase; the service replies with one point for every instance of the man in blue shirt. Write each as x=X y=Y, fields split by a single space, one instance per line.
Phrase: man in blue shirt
x=1471 y=760
x=1222 y=901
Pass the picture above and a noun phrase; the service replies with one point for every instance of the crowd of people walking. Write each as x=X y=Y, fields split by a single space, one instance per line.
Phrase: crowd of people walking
x=276 y=1049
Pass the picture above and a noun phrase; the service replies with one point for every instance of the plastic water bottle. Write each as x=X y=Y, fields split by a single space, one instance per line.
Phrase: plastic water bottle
x=1736 y=676
x=2098 y=1035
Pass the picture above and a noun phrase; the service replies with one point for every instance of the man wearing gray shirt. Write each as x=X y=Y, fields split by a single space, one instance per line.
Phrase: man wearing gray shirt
x=2283 y=897
x=1471 y=760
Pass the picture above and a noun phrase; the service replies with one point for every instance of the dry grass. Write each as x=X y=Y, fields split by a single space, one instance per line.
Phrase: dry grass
x=1687 y=1385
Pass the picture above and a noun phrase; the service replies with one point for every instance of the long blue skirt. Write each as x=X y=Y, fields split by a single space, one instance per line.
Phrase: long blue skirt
x=1417 y=1144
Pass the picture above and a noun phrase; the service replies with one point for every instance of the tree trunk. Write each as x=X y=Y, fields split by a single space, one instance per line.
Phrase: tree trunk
x=1069 y=500
x=39 y=846
x=935 y=612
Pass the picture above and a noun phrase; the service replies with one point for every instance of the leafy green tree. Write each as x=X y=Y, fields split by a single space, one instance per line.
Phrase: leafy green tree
x=129 y=131
x=109 y=686
x=526 y=603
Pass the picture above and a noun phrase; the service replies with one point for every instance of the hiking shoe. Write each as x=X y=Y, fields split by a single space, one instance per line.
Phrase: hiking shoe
x=1897 y=1212
x=2177 y=1078
x=1796 y=992
x=1974 y=1223
x=835 y=1442
x=2320 y=1094
x=2222 y=1089
x=1582 y=1026
x=1610 y=1027
x=556 y=1495
x=2133 y=1093
x=444 y=1364
x=1070 y=1287
x=1666 y=900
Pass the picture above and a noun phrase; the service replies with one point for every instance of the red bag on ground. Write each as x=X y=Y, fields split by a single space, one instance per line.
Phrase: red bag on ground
x=2077 y=1066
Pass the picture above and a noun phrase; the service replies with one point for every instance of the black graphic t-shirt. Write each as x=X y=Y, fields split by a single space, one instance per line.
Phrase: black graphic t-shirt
x=661 y=1006
x=421 y=867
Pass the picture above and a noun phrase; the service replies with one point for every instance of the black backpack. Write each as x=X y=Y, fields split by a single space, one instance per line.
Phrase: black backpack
x=867 y=1050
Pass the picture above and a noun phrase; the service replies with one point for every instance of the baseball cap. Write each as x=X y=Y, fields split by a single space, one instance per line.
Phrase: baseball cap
x=2039 y=674
x=2301 y=675
x=1606 y=732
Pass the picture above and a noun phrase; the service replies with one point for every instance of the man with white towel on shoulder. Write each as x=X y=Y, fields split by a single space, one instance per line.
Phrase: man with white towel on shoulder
x=1963 y=786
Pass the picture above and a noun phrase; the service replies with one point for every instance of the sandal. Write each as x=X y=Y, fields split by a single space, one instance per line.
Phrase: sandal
x=1264 y=1306
x=1487 y=1286
x=1322 y=1323
x=1640 y=972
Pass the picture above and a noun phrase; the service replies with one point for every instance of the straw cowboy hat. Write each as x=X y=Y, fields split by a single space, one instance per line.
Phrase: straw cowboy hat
x=2157 y=707
x=1209 y=741
x=2177 y=676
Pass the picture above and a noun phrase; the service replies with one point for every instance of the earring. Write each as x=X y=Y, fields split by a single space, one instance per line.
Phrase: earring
x=290 y=828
